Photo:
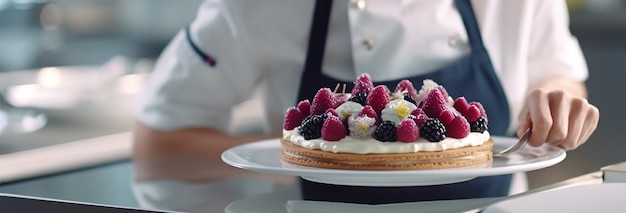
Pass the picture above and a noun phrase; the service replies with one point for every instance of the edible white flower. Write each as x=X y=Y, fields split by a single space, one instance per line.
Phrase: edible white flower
x=397 y=110
x=361 y=126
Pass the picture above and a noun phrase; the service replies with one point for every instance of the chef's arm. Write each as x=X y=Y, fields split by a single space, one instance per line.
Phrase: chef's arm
x=190 y=154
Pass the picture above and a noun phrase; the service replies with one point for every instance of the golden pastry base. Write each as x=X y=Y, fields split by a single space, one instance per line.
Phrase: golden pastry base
x=462 y=157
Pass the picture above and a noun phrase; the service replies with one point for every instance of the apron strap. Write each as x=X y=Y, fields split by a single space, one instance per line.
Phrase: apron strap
x=317 y=38
x=471 y=25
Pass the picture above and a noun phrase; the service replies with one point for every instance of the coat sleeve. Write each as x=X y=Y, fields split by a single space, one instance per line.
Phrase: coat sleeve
x=186 y=91
x=553 y=50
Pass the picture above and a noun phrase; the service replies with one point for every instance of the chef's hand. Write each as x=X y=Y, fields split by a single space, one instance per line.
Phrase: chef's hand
x=557 y=116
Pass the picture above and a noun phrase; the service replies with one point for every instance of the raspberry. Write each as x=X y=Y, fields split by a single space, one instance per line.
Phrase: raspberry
x=433 y=130
x=293 y=118
x=362 y=126
x=480 y=125
x=461 y=105
x=333 y=129
x=323 y=100
x=458 y=128
x=406 y=85
x=443 y=91
x=304 y=107
x=378 y=98
x=417 y=112
x=427 y=86
x=331 y=111
x=446 y=117
x=407 y=131
x=386 y=131
x=311 y=127
x=368 y=111
x=360 y=98
x=434 y=103
x=363 y=84
x=419 y=116
x=481 y=109
x=472 y=114
x=420 y=119
x=340 y=98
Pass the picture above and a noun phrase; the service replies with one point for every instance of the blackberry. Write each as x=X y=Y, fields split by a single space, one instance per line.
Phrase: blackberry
x=311 y=127
x=386 y=131
x=433 y=130
x=360 y=98
x=479 y=125
x=409 y=98
x=308 y=117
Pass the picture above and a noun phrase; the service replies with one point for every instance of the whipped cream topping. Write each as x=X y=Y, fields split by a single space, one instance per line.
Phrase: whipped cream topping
x=373 y=146
x=348 y=109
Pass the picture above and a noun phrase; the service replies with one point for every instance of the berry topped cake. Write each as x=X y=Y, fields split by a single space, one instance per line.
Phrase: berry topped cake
x=374 y=128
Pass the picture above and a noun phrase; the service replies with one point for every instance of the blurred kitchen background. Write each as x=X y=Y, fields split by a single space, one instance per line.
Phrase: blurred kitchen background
x=82 y=62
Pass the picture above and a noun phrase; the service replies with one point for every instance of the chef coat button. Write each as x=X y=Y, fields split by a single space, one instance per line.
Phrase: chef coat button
x=453 y=41
x=358 y=4
x=368 y=43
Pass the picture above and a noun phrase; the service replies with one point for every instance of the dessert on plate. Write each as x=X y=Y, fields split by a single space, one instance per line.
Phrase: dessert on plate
x=375 y=128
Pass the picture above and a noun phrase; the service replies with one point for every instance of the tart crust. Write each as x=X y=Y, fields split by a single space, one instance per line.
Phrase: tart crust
x=462 y=157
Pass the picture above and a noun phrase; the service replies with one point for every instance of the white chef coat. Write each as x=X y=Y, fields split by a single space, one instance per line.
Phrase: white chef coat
x=262 y=45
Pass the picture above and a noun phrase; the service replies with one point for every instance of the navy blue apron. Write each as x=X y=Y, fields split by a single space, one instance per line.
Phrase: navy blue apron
x=473 y=77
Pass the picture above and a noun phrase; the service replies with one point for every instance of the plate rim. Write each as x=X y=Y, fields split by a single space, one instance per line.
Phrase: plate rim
x=230 y=157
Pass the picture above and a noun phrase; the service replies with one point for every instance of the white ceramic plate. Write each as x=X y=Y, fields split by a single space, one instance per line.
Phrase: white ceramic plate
x=264 y=156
